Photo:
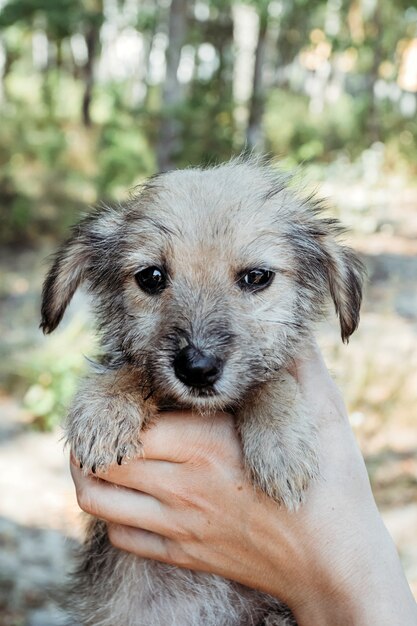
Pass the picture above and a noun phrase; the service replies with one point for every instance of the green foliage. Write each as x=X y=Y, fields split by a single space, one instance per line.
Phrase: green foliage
x=302 y=136
x=208 y=126
x=298 y=136
x=36 y=188
x=47 y=378
x=61 y=17
x=124 y=157
x=52 y=169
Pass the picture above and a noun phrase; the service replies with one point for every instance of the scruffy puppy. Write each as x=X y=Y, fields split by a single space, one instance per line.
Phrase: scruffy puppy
x=206 y=286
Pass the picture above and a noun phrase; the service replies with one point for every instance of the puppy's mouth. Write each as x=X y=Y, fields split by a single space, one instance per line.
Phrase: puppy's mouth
x=199 y=394
x=202 y=392
x=202 y=398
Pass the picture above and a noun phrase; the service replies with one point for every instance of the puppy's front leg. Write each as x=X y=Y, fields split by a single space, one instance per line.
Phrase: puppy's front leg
x=279 y=441
x=105 y=419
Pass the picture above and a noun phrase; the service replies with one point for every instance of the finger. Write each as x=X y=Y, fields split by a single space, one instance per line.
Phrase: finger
x=143 y=543
x=319 y=390
x=175 y=435
x=156 y=478
x=310 y=369
x=119 y=505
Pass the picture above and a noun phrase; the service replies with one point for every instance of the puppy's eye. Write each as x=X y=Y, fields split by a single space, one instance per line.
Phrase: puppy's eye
x=151 y=279
x=256 y=279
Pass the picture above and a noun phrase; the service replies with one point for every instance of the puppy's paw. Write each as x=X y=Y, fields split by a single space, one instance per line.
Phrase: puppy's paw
x=282 y=468
x=96 y=452
x=284 y=481
x=279 y=441
x=103 y=432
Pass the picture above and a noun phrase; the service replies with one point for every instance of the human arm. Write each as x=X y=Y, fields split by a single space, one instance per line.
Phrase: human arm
x=190 y=503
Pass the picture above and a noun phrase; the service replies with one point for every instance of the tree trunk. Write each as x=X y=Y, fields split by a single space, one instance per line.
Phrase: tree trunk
x=168 y=143
x=4 y=69
x=373 y=120
x=254 y=133
x=94 y=19
x=91 y=40
x=149 y=46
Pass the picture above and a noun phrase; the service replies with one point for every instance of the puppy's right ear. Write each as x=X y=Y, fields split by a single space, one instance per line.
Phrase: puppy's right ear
x=66 y=274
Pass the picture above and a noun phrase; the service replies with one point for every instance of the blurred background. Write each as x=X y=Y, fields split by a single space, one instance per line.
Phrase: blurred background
x=97 y=95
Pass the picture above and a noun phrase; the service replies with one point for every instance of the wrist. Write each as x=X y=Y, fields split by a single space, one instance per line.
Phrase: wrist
x=371 y=590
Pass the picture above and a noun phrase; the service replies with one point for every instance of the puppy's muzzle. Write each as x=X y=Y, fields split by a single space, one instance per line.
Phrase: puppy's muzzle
x=196 y=368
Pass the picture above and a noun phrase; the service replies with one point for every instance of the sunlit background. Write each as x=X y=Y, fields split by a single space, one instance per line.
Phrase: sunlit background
x=97 y=95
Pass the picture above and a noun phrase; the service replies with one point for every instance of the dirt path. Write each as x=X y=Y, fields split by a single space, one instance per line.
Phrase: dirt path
x=39 y=522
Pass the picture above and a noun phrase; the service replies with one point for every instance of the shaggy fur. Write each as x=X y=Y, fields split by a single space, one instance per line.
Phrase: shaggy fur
x=206 y=229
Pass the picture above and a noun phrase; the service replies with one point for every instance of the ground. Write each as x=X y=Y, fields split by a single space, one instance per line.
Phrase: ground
x=39 y=519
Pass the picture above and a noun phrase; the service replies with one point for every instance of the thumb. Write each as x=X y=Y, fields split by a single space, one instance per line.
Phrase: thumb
x=317 y=387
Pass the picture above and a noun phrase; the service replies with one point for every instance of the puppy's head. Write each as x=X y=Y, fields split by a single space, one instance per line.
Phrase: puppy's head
x=208 y=281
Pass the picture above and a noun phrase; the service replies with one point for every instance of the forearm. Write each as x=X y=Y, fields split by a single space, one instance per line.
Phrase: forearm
x=382 y=602
x=370 y=590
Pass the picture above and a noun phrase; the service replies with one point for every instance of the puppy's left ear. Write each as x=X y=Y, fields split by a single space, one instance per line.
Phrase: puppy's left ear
x=66 y=274
x=345 y=274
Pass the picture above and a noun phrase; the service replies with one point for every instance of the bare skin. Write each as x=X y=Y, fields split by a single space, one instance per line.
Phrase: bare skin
x=189 y=502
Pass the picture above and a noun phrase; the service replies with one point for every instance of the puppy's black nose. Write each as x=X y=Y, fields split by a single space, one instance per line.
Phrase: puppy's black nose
x=196 y=368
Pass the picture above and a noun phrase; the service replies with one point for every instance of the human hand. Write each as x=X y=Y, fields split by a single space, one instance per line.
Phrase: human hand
x=189 y=502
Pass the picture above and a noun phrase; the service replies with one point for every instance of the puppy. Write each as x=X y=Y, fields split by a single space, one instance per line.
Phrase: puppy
x=206 y=285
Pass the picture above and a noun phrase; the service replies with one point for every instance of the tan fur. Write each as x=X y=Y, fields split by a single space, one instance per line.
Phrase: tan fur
x=205 y=229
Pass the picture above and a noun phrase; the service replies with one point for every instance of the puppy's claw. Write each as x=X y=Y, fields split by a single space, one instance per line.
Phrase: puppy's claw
x=93 y=469
x=119 y=459
x=81 y=465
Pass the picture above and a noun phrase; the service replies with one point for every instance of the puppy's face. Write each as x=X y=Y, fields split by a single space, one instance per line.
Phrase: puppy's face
x=208 y=281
